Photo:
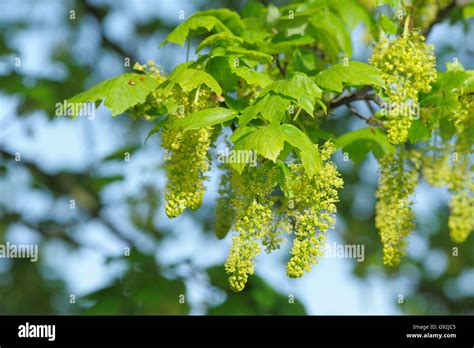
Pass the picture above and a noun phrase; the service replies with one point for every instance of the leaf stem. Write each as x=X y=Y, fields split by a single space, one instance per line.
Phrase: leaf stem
x=406 y=28
x=196 y=98
x=188 y=48
x=297 y=114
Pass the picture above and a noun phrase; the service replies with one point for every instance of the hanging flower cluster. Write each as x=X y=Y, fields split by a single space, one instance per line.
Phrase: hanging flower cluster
x=408 y=68
x=394 y=217
x=188 y=159
x=314 y=212
x=263 y=217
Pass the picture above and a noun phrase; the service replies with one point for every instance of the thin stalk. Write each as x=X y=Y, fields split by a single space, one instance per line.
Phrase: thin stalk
x=188 y=49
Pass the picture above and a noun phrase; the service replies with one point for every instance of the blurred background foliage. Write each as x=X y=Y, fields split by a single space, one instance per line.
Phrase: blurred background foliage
x=36 y=192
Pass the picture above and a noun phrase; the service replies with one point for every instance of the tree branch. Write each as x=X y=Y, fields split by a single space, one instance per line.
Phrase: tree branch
x=360 y=94
x=370 y=120
x=280 y=67
x=70 y=184
x=358 y=114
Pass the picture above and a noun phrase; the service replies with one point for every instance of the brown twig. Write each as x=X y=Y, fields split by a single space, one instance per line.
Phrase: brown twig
x=360 y=94
x=358 y=114
x=279 y=66
x=370 y=120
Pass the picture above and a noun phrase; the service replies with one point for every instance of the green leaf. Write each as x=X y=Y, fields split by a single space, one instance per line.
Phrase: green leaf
x=289 y=43
x=449 y=80
x=418 y=132
x=330 y=23
x=293 y=87
x=205 y=118
x=307 y=104
x=352 y=12
x=308 y=151
x=219 y=68
x=234 y=104
x=272 y=107
x=305 y=61
x=469 y=83
x=367 y=139
x=268 y=141
x=388 y=25
x=447 y=128
x=200 y=23
x=120 y=92
x=252 y=9
x=190 y=79
x=229 y=18
x=300 y=88
x=354 y=74
x=241 y=132
x=454 y=66
x=468 y=11
x=255 y=36
x=326 y=40
x=251 y=76
x=282 y=177
x=178 y=70
x=318 y=133
x=156 y=128
x=359 y=149
x=219 y=38
x=243 y=52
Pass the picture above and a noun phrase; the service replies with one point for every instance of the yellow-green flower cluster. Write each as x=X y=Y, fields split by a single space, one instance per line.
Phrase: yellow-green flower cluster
x=393 y=213
x=185 y=169
x=436 y=169
x=250 y=226
x=461 y=218
x=464 y=115
x=449 y=165
x=186 y=165
x=310 y=236
x=153 y=105
x=273 y=239
x=314 y=209
x=253 y=207
x=262 y=215
x=408 y=67
x=247 y=92
x=224 y=210
x=151 y=67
